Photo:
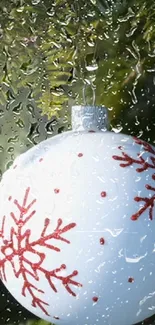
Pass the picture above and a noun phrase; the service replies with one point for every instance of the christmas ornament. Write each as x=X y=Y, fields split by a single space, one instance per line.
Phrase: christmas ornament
x=77 y=232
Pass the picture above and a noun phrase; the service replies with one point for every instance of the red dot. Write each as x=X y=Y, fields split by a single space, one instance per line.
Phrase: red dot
x=9 y=198
x=56 y=317
x=102 y=241
x=80 y=154
x=130 y=279
x=103 y=194
x=95 y=299
x=56 y=190
x=91 y=131
x=41 y=159
x=153 y=177
x=120 y=147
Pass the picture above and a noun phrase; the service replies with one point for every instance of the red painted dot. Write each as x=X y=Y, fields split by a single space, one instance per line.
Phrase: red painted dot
x=41 y=159
x=56 y=190
x=56 y=317
x=153 y=177
x=130 y=279
x=103 y=194
x=15 y=166
x=120 y=147
x=102 y=241
x=9 y=198
x=80 y=154
x=91 y=131
x=95 y=299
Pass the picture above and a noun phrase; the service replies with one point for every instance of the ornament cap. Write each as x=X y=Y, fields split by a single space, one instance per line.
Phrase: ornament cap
x=89 y=118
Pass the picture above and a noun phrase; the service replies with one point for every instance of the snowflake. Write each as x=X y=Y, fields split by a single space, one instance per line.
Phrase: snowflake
x=126 y=160
x=17 y=233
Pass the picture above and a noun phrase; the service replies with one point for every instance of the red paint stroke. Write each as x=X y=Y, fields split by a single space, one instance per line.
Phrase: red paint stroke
x=15 y=166
x=9 y=198
x=56 y=317
x=21 y=236
x=41 y=159
x=143 y=165
x=95 y=299
x=130 y=279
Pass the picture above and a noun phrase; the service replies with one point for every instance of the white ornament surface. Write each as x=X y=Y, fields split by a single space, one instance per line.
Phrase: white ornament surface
x=77 y=229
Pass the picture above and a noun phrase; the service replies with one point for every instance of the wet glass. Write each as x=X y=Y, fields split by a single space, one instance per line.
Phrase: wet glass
x=55 y=54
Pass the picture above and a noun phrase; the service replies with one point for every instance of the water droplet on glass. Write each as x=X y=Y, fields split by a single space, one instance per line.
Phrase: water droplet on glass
x=13 y=139
x=20 y=123
x=114 y=232
x=17 y=109
x=35 y=2
x=92 y=67
x=10 y=149
x=135 y=259
x=1 y=113
x=117 y=129
x=93 y=2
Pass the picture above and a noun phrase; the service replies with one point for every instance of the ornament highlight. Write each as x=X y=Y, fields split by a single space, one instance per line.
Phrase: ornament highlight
x=77 y=225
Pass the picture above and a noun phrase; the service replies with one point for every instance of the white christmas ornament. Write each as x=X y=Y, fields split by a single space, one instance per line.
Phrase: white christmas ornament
x=77 y=225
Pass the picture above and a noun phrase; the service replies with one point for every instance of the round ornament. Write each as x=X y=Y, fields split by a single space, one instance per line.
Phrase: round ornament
x=77 y=225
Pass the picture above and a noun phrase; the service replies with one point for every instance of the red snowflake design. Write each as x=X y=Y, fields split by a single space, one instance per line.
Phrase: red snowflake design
x=8 y=249
x=143 y=165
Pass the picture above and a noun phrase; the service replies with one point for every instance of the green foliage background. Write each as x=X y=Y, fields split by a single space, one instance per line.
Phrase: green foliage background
x=80 y=51
x=76 y=52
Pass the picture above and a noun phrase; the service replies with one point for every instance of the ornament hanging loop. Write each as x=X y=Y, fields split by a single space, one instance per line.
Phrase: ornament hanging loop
x=89 y=118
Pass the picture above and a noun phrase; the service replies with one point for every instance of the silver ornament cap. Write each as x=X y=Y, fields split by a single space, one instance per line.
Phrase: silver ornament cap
x=89 y=118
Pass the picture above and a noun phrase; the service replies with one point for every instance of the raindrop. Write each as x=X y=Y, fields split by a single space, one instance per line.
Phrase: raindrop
x=17 y=109
x=20 y=123
x=13 y=139
x=92 y=67
x=31 y=110
x=49 y=126
x=135 y=259
x=35 y=2
x=114 y=232
x=9 y=164
x=91 y=44
x=10 y=149
x=117 y=129
x=1 y=113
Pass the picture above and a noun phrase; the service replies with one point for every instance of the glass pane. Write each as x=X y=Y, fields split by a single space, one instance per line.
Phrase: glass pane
x=55 y=54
